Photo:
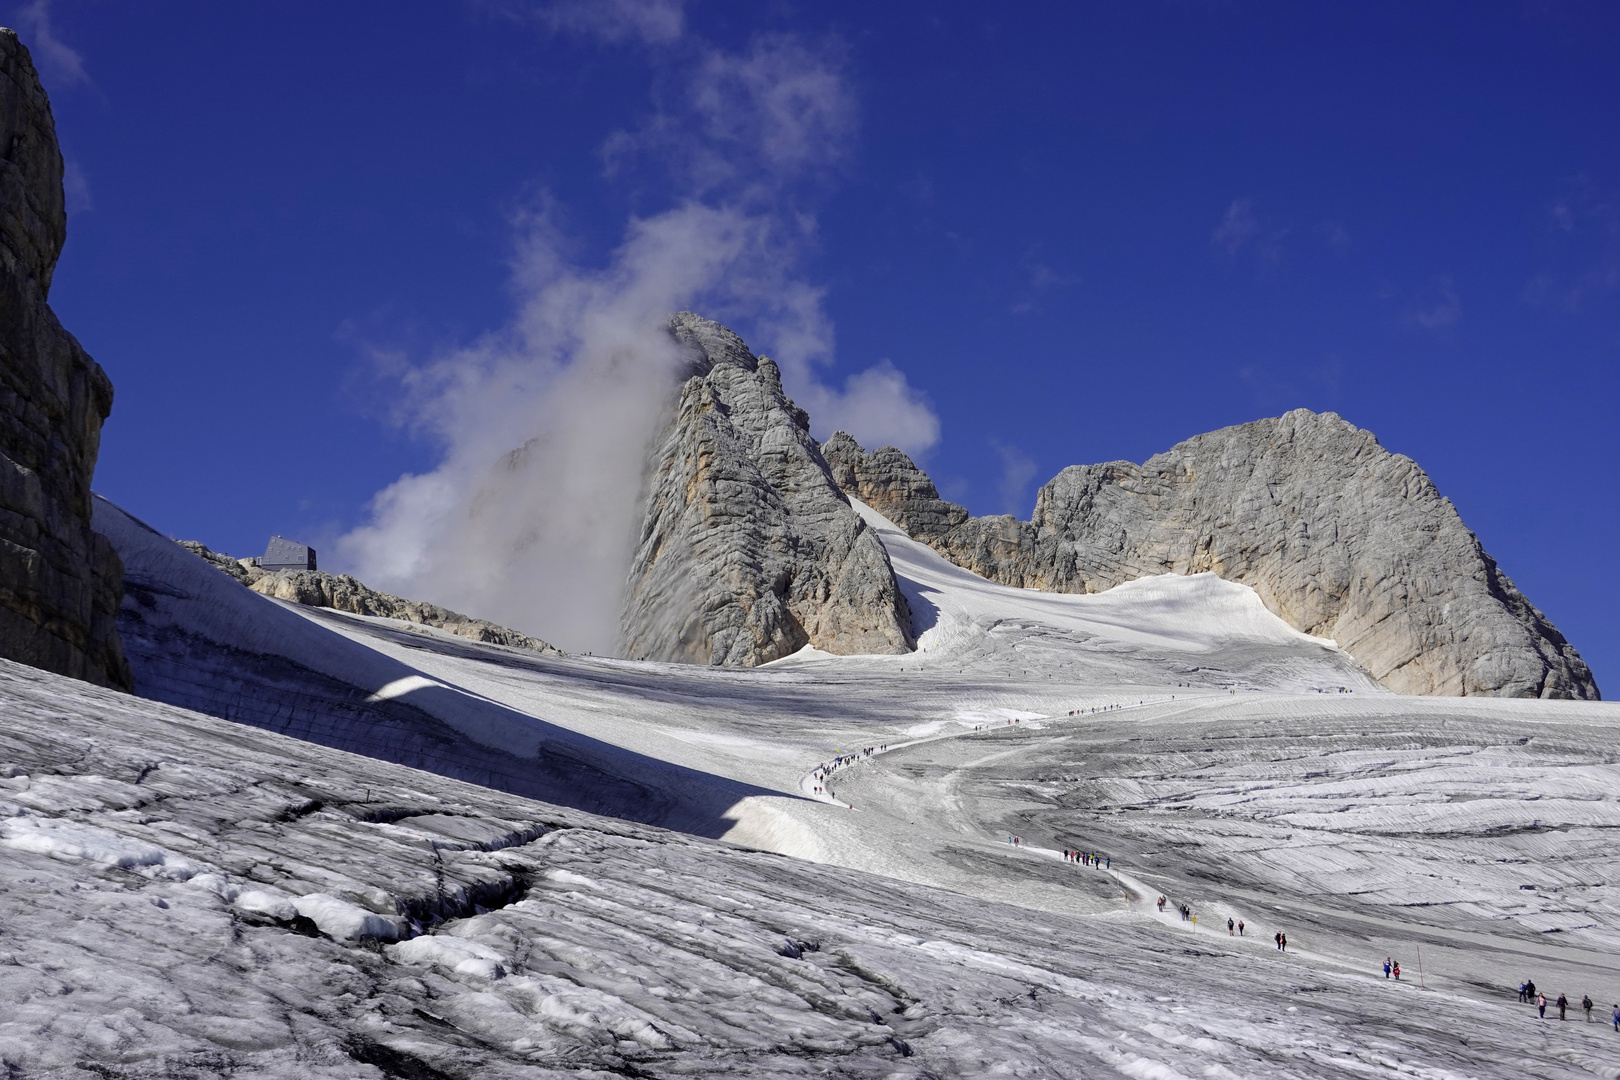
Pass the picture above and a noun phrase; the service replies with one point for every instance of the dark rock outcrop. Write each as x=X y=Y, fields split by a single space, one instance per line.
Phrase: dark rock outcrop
x=1339 y=537
x=60 y=582
x=748 y=550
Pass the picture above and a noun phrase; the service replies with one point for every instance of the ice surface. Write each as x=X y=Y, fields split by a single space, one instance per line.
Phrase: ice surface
x=600 y=947
x=182 y=896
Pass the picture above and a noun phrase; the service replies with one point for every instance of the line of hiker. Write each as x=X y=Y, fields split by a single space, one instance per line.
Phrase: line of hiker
x=1235 y=927
x=1089 y=858
x=1529 y=993
x=827 y=768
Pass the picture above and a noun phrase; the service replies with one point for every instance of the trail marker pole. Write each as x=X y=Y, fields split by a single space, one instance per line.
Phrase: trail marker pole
x=1420 y=968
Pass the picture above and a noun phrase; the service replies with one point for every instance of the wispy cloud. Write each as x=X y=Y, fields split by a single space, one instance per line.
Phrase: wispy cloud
x=530 y=516
x=1335 y=235
x=1040 y=279
x=1238 y=226
x=61 y=65
x=650 y=22
x=1582 y=258
x=778 y=116
x=76 y=188
x=1241 y=229
x=1440 y=309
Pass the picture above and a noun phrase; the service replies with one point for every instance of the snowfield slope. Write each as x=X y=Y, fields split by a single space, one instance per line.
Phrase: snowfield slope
x=181 y=896
x=185 y=897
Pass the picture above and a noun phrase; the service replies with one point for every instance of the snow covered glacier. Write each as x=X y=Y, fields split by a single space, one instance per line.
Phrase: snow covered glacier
x=184 y=896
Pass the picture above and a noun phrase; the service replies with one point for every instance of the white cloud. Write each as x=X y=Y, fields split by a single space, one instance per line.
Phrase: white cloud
x=784 y=102
x=531 y=515
x=773 y=119
x=878 y=406
x=60 y=64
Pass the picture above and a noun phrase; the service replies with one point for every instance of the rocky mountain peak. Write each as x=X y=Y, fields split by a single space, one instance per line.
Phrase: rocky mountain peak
x=709 y=344
x=1339 y=537
x=749 y=550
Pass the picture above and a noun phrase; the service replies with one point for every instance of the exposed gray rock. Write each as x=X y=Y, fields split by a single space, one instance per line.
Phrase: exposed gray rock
x=748 y=550
x=247 y=571
x=1339 y=537
x=1000 y=548
x=317 y=588
x=60 y=582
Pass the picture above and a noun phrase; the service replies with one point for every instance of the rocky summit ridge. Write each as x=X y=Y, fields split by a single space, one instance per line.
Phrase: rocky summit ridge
x=1339 y=537
x=341 y=592
x=748 y=550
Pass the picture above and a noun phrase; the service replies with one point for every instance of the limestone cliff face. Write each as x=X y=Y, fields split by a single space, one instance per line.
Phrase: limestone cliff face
x=60 y=582
x=748 y=550
x=1339 y=537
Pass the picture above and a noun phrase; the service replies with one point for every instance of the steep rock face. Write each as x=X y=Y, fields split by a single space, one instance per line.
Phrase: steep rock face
x=1000 y=548
x=1339 y=537
x=748 y=550
x=60 y=582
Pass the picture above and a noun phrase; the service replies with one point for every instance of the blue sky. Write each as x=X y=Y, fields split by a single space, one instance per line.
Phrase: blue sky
x=313 y=245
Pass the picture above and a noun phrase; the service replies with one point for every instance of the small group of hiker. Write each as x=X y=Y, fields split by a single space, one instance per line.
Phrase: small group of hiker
x=1528 y=992
x=1088 y=858
x=1235 y=927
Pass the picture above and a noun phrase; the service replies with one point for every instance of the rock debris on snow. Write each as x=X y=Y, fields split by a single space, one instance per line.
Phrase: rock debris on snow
x=341 y=592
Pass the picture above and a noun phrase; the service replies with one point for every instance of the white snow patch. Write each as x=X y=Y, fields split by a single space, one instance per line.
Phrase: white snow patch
x=762 y=822
x=568 y=877
x=451 y=953
x=271 y=902
x=342 y=920
x=71 y=841
x=588 y=1011
x=401 y=687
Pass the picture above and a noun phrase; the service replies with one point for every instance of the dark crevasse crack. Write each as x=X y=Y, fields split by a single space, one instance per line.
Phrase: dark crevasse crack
x=394 y=1063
